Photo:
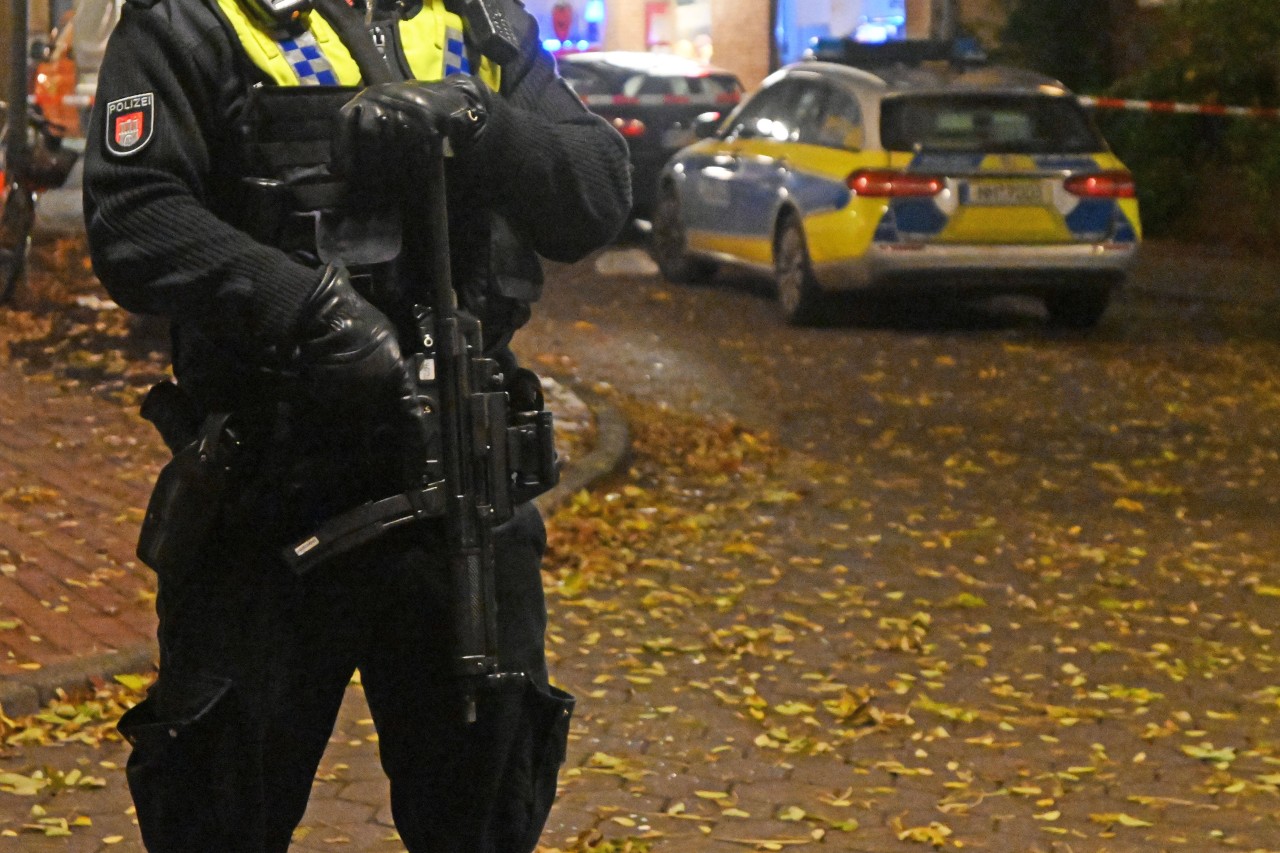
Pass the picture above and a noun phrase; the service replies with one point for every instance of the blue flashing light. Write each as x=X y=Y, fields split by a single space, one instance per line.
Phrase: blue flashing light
x=872 y=34
x=583 y=44
x=552 y=45
x=594 y=12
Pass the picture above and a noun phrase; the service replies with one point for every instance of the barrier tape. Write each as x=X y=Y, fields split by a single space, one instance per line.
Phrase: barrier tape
x=1180 y=109
x=649 y=100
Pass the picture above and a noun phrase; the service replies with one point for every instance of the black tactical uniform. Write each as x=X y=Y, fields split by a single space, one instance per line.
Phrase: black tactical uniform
x=212 y=199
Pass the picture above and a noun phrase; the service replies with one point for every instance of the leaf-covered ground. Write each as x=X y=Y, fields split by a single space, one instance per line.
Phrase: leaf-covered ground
x=1023 y=601
x=753 y=677
x=992 y=587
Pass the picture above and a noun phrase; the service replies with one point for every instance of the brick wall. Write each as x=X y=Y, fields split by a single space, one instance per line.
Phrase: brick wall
x=984 y=18
x=624 y=25
x=919 y=16
x=740 y=36
x=740 y=28
x=739 y=33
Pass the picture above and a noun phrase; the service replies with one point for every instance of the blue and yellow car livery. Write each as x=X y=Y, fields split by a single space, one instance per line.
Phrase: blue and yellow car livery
x=872 y=216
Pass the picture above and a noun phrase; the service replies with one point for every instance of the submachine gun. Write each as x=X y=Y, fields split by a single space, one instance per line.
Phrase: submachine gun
x=481 y=459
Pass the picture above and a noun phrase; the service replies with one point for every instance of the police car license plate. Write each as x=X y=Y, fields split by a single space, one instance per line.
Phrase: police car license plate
x=1006 y=193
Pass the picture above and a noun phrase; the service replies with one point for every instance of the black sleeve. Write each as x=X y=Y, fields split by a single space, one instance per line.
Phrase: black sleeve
x=155 y=244
x=558 y=171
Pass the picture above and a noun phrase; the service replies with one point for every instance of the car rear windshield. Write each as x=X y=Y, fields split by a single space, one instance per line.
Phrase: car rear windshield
x=706 y=86
x=1013 y=124
x=588 y=81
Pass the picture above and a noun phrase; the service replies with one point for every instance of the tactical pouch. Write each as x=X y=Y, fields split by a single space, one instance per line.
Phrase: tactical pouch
x=534 y=464
x=185 y=501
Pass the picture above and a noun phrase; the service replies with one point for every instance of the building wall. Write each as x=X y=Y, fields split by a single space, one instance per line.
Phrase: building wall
x=740 y=29
x=6 y=27
x=919 y=17
x=740 y=37
x=739 y=32
x=624 y=25
x=983 y=18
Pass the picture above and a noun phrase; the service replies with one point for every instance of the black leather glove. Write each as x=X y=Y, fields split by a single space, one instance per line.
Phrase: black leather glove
x=387 y=121
x=348 y=355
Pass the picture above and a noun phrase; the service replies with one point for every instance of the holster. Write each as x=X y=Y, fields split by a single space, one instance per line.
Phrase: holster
x=186 y=500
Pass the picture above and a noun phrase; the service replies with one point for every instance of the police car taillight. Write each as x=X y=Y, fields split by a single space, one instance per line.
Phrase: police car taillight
x=887 y=183
x=1117 y=184
x=630 y=128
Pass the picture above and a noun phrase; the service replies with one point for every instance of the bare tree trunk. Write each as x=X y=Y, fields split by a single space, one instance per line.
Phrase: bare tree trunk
x=15 y=83
x=942 y=20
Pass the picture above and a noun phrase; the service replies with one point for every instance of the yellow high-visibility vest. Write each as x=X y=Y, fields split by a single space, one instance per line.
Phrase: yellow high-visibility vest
x=431 y=40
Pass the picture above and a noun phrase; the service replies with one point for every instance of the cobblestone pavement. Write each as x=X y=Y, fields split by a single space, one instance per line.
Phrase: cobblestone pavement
x=829 y=657
x=75 y=473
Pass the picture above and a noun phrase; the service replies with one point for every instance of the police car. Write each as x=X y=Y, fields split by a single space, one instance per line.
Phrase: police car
x=654 y=101
x=907 y=178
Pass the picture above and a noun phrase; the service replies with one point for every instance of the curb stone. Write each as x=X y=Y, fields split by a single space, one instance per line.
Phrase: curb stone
x=27 y=694
x=608 y=455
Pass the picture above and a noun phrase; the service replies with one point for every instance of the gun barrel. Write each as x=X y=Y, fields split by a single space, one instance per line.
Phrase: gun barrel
x=469 y=515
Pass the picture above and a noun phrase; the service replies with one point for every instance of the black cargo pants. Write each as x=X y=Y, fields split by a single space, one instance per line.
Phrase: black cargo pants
x=253 y=666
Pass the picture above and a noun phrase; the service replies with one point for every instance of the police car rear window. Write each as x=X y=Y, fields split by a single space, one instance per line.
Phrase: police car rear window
x=1001 y=124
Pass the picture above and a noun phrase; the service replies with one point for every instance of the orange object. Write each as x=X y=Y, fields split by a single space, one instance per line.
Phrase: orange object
x=55 y=79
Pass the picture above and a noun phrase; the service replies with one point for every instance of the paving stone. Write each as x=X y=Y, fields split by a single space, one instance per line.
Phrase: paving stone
x=370 y=792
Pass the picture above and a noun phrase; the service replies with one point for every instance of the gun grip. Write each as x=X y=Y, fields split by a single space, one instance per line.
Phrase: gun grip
x=492 y=30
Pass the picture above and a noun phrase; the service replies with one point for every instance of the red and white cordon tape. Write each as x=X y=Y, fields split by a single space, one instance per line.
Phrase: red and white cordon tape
x=654 y=100
x=1180 y=109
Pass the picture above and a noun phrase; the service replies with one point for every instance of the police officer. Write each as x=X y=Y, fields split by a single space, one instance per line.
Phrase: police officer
x=245 y=163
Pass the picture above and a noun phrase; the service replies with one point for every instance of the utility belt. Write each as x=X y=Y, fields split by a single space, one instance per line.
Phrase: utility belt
x=514 y=441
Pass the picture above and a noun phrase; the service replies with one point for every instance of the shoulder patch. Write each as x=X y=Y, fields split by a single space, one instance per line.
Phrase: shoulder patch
x=131 y=123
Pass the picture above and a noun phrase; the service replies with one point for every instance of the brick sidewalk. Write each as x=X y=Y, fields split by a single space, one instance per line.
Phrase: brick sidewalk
x=75 y=473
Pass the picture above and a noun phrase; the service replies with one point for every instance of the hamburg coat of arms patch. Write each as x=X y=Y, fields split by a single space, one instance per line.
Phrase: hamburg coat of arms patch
x=130 y=124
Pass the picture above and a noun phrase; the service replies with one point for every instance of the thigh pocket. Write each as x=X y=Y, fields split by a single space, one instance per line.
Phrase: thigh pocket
x=533 y=766
x=180 y=735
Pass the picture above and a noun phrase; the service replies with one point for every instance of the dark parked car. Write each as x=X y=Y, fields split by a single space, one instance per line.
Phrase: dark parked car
x=653 y=100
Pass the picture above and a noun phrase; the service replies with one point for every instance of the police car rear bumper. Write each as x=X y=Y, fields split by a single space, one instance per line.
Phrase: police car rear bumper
x=968 y=266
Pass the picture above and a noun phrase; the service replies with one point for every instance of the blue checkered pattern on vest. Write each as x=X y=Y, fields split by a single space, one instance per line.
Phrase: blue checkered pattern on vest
x=455 y=53
x=308 y=62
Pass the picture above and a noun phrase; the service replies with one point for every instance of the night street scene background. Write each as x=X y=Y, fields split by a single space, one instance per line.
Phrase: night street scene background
x=925 y=573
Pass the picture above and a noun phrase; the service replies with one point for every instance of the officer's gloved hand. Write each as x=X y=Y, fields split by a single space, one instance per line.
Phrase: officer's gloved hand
x=393 y=120
x=348 y=356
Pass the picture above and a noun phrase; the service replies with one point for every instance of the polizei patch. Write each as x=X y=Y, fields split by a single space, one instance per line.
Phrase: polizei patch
x=130 y=123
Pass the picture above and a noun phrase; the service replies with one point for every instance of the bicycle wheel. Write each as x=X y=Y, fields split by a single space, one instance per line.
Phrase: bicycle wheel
x=16 y=221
